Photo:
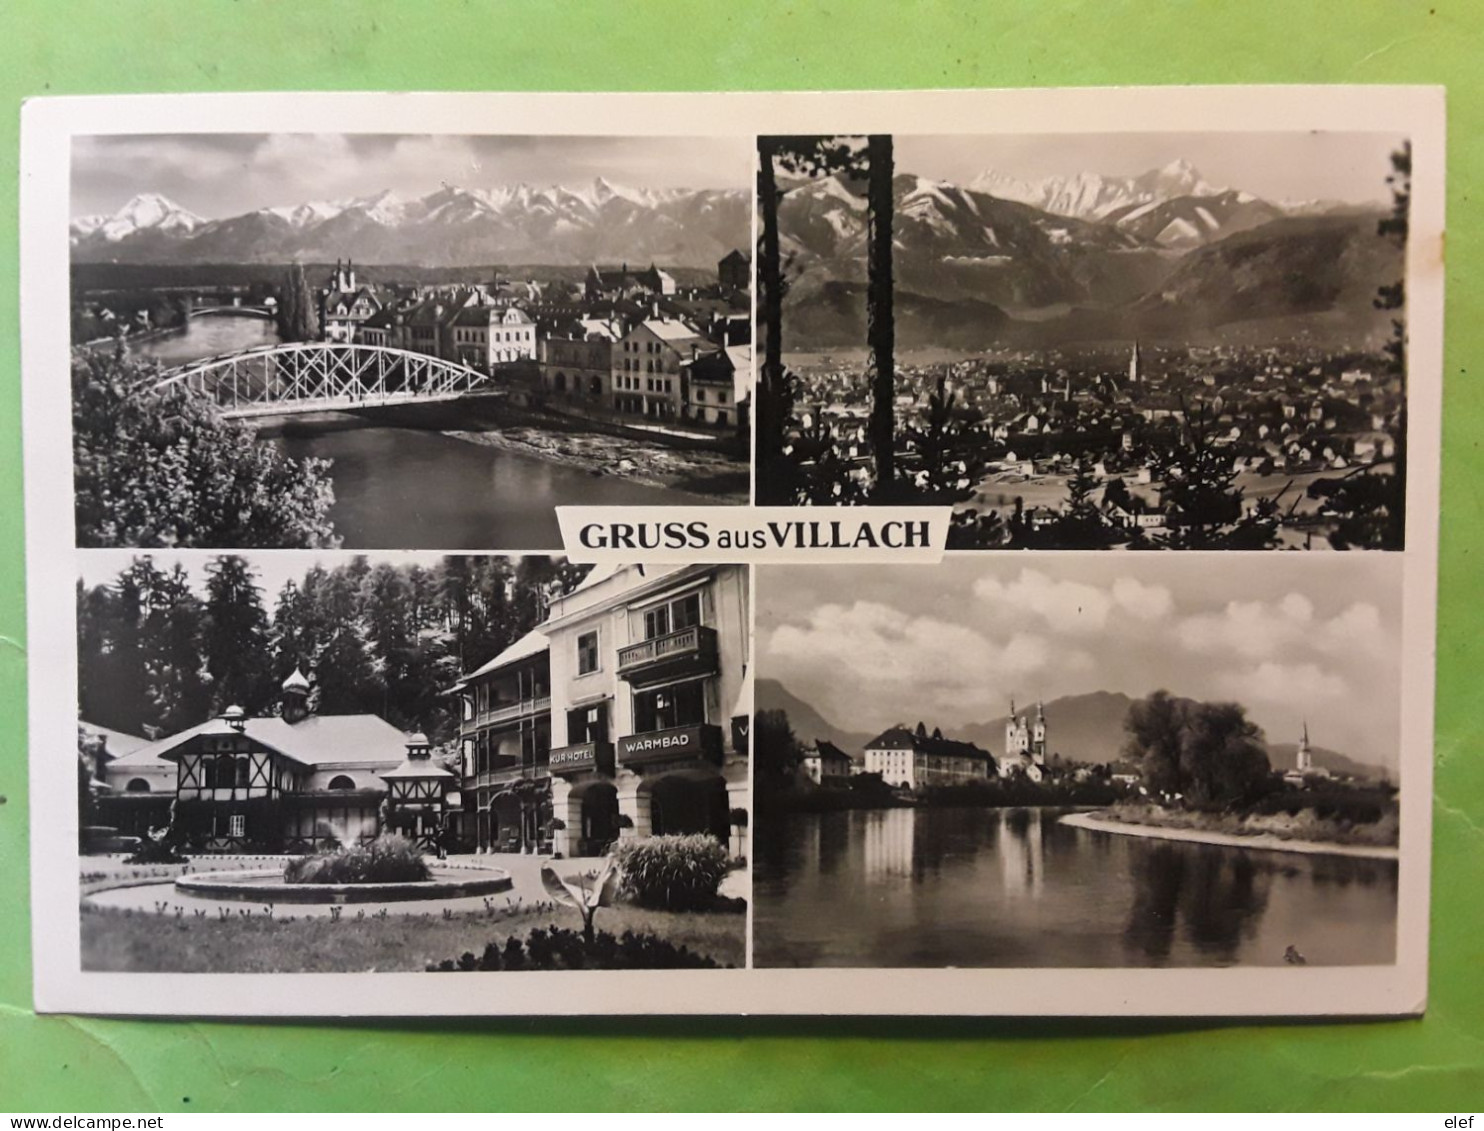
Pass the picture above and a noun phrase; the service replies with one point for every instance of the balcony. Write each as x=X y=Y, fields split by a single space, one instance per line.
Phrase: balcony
x=698 y=743
x=691 y=651
x=583 y=757
x=506 y=712
x=503 y=776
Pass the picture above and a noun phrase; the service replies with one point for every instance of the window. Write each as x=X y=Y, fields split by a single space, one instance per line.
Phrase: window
x=588 y=724
x=683 y=612
x=137 y=785
x=667 y=707
x=244 y=772
x=587 y=653
x=340 y=781
x=237 y=825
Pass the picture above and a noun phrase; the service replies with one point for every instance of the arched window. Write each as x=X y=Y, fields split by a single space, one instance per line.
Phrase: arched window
x=595 y=386
x=137 y=785
x=340 y=781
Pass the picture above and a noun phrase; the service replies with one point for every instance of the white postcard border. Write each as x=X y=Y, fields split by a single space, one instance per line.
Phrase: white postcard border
x=60 y=986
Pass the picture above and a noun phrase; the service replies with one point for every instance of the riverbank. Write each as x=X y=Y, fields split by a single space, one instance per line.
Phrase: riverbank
x=713 y=476
x=1269 y=842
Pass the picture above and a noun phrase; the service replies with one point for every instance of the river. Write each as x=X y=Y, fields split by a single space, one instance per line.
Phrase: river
x=1015 y=888
x=406 y=487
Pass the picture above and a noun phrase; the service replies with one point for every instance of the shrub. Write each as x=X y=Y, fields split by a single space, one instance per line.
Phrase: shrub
x=558 y=948
x=157 y=850
x=675 y=873
x=389 y=859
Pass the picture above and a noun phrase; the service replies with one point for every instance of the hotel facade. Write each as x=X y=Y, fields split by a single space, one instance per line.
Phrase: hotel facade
x=624 y=714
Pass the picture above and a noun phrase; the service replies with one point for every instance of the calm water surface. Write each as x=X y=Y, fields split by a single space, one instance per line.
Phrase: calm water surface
x=208 y=336
x=401 y=487
x=987 y=887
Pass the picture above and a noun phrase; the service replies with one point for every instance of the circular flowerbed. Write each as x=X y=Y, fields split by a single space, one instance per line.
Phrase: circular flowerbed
x=265 y=886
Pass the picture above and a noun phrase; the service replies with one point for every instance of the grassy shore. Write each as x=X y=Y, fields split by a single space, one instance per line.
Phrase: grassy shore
x=112 y=941
x=1306 y=825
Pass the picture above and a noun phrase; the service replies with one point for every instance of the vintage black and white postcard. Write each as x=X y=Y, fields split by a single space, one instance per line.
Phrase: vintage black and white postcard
x=558 y=554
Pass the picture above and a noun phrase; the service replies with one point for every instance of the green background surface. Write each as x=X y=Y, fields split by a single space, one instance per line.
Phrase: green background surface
x=87 y=1064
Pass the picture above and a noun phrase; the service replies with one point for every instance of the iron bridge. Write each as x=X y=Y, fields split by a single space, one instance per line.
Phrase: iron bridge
x=317 y=376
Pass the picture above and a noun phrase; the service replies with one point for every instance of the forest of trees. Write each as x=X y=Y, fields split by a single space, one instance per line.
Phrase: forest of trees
x=160 y=467
x=160 y=650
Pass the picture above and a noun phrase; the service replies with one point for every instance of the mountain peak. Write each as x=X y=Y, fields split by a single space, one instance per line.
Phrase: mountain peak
x=148 y=210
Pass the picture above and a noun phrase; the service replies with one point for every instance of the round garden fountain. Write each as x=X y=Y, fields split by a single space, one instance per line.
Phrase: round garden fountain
x=270 y=886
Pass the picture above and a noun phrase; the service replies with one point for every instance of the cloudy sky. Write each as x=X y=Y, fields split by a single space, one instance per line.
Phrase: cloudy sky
x=219 y=175
x=1276 y=166
x=1305 y=636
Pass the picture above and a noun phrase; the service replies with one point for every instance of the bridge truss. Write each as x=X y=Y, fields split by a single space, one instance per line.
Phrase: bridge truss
x=315 y=376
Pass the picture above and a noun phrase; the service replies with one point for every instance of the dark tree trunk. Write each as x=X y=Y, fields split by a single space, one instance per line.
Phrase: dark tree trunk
x=880 y=322
x=772 y=393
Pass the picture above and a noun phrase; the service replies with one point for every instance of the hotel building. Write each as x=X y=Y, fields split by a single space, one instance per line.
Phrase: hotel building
x=625 y=714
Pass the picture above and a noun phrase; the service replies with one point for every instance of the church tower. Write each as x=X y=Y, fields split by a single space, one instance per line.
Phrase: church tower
x=1134 y=377
x=1303 y=760
x=1038 y=736
x=1017 y=738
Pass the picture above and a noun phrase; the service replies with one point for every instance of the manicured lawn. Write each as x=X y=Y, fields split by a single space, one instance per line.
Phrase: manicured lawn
x=164 y=944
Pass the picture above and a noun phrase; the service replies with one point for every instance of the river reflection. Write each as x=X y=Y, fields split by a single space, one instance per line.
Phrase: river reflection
x=977 y=887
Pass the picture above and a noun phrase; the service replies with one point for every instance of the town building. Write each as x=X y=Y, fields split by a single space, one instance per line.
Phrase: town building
x=827 y=764
x=614 y=283
x=344 y=306
x=638 y=677
x=577 y=361
x=718 y=387
x=505 y=749
x=294 y=781
x=483 y=337
x=646 y=376
x=915 y=759
x=734 y=271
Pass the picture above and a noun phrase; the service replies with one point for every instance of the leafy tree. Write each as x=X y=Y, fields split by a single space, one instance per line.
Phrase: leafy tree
x=160 y=467
x=1204 y=507
x=237 y=637
x=298 y=313
x=777 y=751
x=1203 y=753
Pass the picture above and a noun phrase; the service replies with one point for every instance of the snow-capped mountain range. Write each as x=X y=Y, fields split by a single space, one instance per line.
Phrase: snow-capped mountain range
x=1115 y=249
x=1093 y=196
x=996 y=215
x=451 y=225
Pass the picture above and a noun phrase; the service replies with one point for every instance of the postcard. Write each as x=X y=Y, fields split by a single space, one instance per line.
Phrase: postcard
x=673 y=553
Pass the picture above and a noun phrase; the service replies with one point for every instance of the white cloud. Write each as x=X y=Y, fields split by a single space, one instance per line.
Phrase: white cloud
x=1287 y=628
x=1146 y=602
x=1066 y=606
x=1356 y=630
x=867 y=654
x=1292 y=684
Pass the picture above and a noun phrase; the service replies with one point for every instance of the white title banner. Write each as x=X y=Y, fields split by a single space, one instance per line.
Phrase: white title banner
x=755 y=534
